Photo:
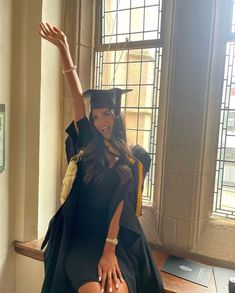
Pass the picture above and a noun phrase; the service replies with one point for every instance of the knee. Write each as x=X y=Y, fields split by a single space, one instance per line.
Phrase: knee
x=93 y=287
x=122 y=288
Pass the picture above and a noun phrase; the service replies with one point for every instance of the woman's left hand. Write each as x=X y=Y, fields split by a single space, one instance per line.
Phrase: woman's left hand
x=108 y=270
x=52 y=34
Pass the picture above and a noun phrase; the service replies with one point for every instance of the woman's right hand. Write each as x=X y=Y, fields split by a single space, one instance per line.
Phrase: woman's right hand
x=52 y=34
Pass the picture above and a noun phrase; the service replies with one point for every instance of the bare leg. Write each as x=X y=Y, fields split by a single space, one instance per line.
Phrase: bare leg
x=94 y=287
x=90 y=287
x=122 y=288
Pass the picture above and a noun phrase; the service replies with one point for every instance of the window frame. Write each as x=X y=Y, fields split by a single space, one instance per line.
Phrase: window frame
x=218 y=187
x=150 y=182
x=145 y=44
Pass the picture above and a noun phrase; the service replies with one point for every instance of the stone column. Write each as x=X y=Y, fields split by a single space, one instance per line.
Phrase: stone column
x=188 y=166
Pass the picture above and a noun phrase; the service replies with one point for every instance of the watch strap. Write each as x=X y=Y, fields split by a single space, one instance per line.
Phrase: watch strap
x=113 y=241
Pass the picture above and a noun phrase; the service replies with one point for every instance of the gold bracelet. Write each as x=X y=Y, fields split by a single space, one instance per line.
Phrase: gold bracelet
x=69 y=70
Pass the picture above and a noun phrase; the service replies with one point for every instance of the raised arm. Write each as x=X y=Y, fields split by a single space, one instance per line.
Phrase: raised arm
x=58 y=38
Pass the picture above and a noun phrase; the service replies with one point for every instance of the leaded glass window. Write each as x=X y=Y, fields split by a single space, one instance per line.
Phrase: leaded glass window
x=129 y=55
x=224 y=195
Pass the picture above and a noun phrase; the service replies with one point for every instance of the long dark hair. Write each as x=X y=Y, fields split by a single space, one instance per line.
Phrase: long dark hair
x=95 y=163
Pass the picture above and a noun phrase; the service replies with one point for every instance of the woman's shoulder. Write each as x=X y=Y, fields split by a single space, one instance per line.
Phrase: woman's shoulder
x=140 y=154
x=78 y=136
x=73 y=130
x=83 y=122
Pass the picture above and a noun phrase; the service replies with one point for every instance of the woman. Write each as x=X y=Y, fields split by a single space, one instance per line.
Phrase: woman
x=95 y=242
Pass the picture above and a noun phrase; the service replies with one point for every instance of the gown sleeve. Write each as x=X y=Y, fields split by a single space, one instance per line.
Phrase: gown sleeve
x=131 y=235
x=77 y=139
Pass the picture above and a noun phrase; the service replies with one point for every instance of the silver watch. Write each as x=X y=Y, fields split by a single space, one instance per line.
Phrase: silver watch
x=113 y=241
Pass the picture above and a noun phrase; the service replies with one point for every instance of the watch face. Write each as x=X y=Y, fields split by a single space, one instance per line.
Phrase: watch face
x=114 y=241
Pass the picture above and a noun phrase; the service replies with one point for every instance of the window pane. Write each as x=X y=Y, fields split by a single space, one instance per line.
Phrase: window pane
x=134 y=55
x=231 y=124
x=144 y=121
x=152 y=2
x=150 y=35
x=131 y=137
x=146 y=95
x=120 y=74
x=108 y=73
x=137 y=3
x=135 y=20
x=143 y=139
x=229 y=174
x=123 y=19
x=109 y=5
x=147 y=73
x=224 y=197
x=151 y=18
x=228 y=199
x=134 y=73
x=124 y=4
x=233 y=19
x=149 y=54
x=131 y=118
x=133 y=97
x=109 y=23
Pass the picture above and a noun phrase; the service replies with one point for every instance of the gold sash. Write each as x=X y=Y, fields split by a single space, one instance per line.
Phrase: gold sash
x=71 y=173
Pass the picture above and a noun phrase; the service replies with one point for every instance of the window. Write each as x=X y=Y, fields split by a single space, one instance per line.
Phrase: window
x=129 y=55
x=224 y=196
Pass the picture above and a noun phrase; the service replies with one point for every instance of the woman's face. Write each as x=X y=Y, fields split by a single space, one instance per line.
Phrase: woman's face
x=103 y=120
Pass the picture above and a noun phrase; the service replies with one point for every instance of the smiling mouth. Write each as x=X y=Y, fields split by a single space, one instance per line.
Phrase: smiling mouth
x=105 y=130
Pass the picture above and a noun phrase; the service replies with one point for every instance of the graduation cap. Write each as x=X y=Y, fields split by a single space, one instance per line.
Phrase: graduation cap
x=110 y=99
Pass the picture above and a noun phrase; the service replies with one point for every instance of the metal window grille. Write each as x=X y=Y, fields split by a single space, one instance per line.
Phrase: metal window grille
x=129 y=55
x=224 y=195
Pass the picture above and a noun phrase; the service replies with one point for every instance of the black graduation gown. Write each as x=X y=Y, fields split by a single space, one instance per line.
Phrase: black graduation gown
x=130 y=234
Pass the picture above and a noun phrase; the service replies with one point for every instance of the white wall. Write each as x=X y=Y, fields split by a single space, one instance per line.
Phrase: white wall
x=7 y=260
x=30 y=274
x=50 y=121
x=41 y=146
x=24 y=131
x=28 y=88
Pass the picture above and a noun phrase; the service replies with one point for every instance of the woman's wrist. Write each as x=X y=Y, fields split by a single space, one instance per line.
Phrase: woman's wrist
x=68 y=65
x=112 y=240
x=109 y=247
x=70 y=69
x=63 y=46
